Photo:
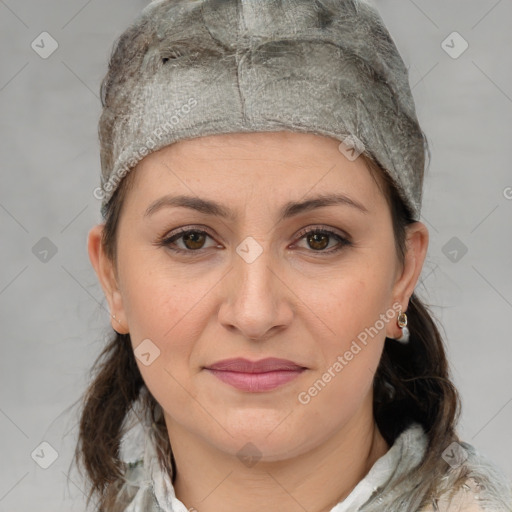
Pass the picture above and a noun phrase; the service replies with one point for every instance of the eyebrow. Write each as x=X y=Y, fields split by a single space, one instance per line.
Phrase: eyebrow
x=289 y=209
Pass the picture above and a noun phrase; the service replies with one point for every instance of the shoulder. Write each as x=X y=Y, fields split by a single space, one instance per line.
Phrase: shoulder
x=464 y=500
x=485 y=487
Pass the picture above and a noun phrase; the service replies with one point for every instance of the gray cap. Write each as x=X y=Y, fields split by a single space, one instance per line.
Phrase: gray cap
x=188 y=68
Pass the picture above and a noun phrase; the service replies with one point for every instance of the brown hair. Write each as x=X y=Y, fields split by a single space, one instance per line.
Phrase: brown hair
x=412 y=383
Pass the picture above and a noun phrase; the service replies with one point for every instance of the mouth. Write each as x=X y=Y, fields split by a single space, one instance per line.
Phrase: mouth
x=255 y=376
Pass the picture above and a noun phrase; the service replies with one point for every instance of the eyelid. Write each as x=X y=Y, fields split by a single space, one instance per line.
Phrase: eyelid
x=166 y=239
x=320 y=227
x=343 y=238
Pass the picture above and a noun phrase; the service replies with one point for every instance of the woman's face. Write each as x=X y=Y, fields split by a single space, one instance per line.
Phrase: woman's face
x=248 y=281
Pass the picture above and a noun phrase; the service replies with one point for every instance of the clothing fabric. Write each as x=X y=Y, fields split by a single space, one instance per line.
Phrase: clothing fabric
x=190 y=68
x=148 y=487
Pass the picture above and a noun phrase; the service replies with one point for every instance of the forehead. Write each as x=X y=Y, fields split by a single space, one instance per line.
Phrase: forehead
x=265 y=144
x=281 y=163
x=300 y=150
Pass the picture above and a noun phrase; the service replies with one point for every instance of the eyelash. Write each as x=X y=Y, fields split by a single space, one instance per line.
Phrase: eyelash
x=165 y=241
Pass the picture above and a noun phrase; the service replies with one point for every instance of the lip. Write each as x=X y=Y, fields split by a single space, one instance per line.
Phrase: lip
x=255 y=376
x=269 y=364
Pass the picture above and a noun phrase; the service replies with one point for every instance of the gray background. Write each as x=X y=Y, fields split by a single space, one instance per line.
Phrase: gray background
x=53 y=315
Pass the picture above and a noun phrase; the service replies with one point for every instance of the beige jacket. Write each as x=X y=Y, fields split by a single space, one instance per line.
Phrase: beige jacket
x=466 y=500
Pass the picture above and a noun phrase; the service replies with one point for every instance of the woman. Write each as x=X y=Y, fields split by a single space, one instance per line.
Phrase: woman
x=262 y=171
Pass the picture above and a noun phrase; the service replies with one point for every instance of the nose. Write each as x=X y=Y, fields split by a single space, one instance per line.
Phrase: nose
x=257 y=301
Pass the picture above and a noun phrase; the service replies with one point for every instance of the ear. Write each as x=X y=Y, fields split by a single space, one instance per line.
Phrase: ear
x=105 y=271
x=417 y=239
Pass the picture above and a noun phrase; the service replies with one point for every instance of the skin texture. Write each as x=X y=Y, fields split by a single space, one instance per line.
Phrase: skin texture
x=296 y=301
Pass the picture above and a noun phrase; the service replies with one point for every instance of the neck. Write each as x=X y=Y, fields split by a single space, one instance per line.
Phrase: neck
x=210 y=480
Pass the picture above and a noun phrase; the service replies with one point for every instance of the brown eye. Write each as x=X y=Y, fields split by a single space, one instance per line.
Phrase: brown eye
x=190 y=240
x=193 y=239
x=318 y=241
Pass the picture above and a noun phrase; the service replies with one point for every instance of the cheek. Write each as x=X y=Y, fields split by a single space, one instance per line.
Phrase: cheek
x=352 y=304
x=350 y=352
x=171 y=316
x=348 y=312
x=170 y=309
x=168 y=315
x=158 y=298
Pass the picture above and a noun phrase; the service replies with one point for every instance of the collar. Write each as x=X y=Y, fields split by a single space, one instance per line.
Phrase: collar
x=156 y=493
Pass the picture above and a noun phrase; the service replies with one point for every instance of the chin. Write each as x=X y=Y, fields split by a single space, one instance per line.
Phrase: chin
x=267 y=443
